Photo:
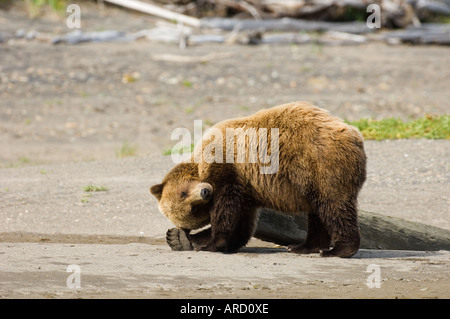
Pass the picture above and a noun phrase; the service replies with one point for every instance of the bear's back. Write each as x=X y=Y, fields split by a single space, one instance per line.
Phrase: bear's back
x=303 y=144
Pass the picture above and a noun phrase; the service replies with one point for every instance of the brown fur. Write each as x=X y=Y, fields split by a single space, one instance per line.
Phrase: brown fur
x=322 y=167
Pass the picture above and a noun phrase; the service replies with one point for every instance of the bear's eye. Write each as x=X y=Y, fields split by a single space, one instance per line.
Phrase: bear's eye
x=183 y=194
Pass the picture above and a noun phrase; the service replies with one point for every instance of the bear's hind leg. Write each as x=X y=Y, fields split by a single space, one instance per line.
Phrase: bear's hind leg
x=317 y=238
x=341 y=222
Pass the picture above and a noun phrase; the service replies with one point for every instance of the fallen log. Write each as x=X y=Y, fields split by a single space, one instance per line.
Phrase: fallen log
x=174 y=58
x=79 y=36
x=425 y=34
x=377 y=231
x=243 y=6
x=394 y=13
x=177 y=34
x=301 y=9
x=285 y=24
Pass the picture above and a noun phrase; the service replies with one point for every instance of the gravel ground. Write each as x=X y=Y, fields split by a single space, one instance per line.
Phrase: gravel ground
x=409 y=179
x=50 y=199
x=67 y=110
x=79 y=102
x=117 y=236
x=38 y=270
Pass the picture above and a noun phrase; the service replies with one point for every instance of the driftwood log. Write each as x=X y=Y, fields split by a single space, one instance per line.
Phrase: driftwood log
x=393 y=13
x=285 y=24
x=287 y=17
x=377 y=231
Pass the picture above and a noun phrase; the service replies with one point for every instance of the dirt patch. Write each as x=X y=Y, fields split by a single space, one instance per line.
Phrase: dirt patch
x=149 y=271
x=24 y=237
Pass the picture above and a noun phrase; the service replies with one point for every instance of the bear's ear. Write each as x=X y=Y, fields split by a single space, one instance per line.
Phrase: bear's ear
x=156 y=190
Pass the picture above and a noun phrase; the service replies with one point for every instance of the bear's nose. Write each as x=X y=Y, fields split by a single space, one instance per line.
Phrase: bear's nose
x=205 y=194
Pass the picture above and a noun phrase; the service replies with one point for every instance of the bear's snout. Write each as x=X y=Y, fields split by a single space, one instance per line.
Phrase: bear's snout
x=200 y=194
x=205 y=194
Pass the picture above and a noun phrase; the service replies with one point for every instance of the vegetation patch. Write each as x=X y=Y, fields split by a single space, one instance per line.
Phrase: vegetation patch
x=430 y=126
x=35 y=7
x=179 y=150
x=126 y=150
x=95 y=188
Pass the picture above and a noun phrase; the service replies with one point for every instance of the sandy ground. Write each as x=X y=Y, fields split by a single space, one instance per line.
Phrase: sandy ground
x=66 y=111
x=116 y=237
x=153 y=271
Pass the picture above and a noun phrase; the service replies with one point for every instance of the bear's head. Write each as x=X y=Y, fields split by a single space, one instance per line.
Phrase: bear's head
x=184 y=198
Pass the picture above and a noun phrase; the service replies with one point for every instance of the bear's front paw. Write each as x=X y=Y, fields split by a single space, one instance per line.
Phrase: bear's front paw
x=177 y=239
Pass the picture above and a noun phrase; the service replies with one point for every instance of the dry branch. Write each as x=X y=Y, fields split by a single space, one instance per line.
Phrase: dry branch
x=157 y=11
x=175 y=58
x=242 y=6
x=285 y=24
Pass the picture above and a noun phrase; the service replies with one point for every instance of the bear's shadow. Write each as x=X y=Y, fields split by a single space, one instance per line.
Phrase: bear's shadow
x=361 y=254
x=386 y=254
x=262 y=250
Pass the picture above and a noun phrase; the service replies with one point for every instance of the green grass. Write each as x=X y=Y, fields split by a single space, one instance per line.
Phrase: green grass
x=126 y=150
x=85 y=198
x=189 y=110
x=95 y=188
x=35 y=6
x=176 y=150
x=187 y=83
x=24 y=160
x=20 y=162
x=430 y=126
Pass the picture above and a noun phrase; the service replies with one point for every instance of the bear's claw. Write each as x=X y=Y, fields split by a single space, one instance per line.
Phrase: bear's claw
x=177 y=240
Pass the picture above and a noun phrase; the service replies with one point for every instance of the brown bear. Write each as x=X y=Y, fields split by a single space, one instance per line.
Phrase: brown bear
x=318 y=165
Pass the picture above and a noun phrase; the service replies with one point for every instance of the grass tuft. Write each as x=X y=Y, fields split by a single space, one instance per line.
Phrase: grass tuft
x=430 y=126
x=126 y=150
x=35 y=7
x=95 y=188
x=175 y=150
